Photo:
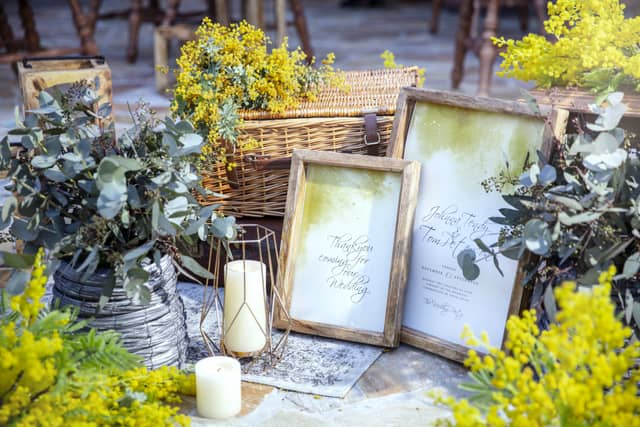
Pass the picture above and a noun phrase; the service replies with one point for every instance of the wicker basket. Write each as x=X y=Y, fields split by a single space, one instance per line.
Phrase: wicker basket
x=334 y=122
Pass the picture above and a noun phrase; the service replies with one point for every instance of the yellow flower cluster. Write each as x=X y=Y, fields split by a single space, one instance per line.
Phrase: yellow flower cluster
x=134 y=398
x=594 y=46
x=389 y=61
x=42 y=382
x=574 y=374
x=229 y=68
x=29 y=304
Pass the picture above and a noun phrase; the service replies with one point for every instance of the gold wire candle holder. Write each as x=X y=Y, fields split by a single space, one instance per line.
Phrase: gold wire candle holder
x=244 y=314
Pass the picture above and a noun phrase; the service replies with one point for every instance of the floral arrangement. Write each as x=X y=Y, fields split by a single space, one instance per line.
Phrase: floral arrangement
x=100 y=202
x=55 y=373
x=578 y=215
x=230 y=68
x=580 y=372
x=593 y=46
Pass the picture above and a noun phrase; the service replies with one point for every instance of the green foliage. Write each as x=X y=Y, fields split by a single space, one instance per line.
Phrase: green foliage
x=58 y=372
x=96 y=201
x=582 y=213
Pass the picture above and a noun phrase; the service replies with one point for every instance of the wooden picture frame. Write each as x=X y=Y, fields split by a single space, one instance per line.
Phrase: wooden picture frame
x=458 y=139
x=345 y=245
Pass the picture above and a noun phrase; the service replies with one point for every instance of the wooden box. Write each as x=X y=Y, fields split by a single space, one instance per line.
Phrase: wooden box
x=36 y=74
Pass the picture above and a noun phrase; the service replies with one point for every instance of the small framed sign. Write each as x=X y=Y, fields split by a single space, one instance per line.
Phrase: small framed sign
x=345 y=245
x=461 y=141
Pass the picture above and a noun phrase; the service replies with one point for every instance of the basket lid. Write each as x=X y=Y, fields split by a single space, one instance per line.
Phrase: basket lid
x=376 y=90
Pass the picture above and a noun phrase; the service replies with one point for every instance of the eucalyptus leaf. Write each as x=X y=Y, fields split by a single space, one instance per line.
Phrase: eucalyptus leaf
x=224 y=227
x=111 y=201
x=55 y=174
x=133 y=197
x=19 y=261
x=568 y=202
x=107 y=290
x=193 y=266
x=165 y=225
x=547 y=175
x=470 y=271
x=27 y=142
x=126 y=164
x=636 y=312
x=21 y=231
x=537 y=236
x=532 y=103
x=10 y=204
x=110 y=174
x=43 y=161
x=205 y=215
x=170 y=142
x=17 y=282
x=92 y=258
x=579 y=218
x=138 y=252
x=177 y=187
x=609 y=119
x=549 y=301
x=5 y=152
x=163 y=179
x=190 y=144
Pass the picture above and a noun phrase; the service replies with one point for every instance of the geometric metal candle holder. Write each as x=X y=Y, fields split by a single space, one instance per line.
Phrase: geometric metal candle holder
x=245 y=313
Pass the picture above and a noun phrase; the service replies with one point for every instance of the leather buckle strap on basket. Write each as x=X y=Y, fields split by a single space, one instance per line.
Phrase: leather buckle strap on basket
x=357 y=121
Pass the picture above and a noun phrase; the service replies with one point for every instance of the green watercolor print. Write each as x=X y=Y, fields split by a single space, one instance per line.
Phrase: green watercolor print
x=331 y=193
x=486 y=138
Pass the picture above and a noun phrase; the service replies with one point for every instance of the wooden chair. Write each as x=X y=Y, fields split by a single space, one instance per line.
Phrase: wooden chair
x=151 y=11
x=467 y=38
x=253 y=11
x=17 y=48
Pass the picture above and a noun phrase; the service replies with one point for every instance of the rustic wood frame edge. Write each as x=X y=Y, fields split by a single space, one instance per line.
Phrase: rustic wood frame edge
x=557 y=123
x=410 y=174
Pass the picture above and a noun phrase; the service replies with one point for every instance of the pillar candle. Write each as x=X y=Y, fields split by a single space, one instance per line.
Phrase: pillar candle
x=218 y=393
x=244 y=294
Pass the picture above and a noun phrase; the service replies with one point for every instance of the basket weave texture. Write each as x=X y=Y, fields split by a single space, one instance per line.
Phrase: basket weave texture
x=333 y=122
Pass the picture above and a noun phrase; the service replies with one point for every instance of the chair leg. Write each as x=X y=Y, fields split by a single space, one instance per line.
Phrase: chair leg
x=487 y=50
x=301 y=26
x=523 y=16
x=6 y=33
x=220 y=9
x=134 y=28
x=541 y=14
x=281 y=20
x=435 y=16
x=84 y=27
x=31 y=37
x=464 y=31
x=170 y=12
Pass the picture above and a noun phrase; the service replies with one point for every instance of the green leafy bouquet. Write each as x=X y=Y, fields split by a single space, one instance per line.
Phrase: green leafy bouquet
x=100 y=202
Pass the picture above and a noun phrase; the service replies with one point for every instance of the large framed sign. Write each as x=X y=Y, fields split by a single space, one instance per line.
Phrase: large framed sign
x=345 y=245
x=460 y=141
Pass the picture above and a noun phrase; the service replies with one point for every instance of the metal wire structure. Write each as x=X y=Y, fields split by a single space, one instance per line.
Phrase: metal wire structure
x=254 y=243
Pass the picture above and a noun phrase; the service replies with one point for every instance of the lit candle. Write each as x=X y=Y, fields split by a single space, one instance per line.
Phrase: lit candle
x=218 y=392
x=245 y=317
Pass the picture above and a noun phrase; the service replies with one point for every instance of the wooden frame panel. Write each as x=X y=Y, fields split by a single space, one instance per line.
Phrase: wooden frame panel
x=306 y=166
x=408 y=101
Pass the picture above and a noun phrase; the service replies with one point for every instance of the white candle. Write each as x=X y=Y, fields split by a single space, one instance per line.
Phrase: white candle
x=245 y=317
x=218 y=392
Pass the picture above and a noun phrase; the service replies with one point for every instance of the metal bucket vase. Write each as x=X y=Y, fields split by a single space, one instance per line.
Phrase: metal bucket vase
x=156 y=331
